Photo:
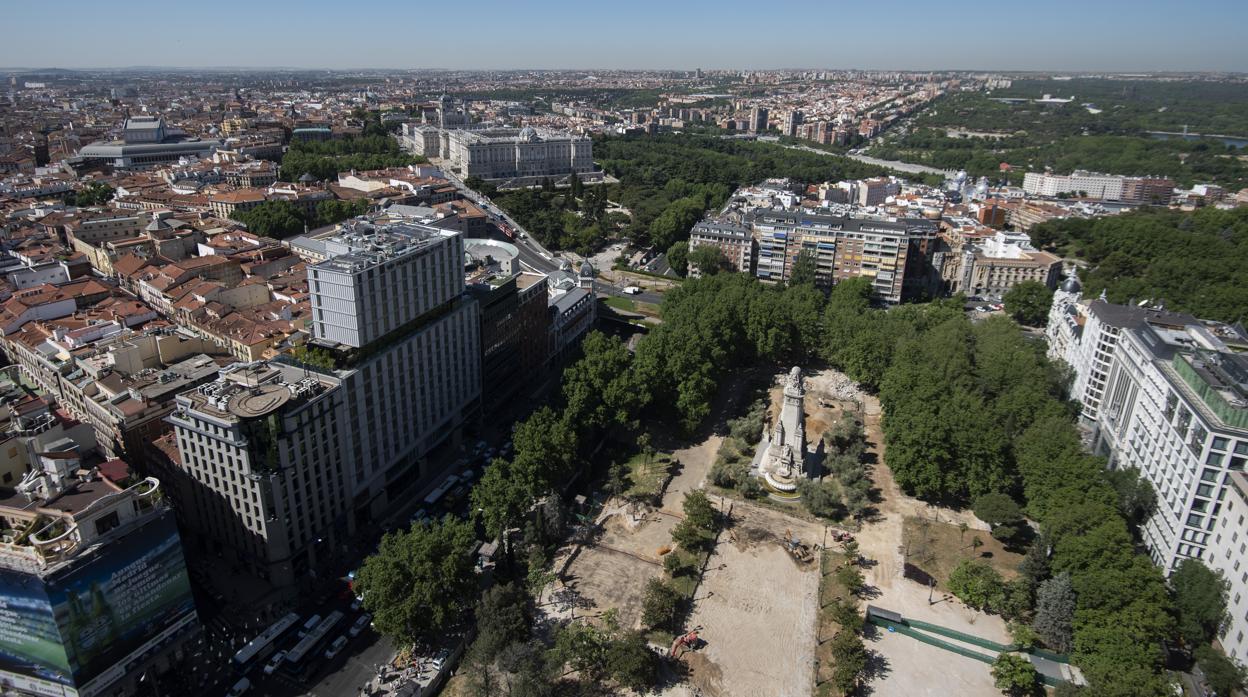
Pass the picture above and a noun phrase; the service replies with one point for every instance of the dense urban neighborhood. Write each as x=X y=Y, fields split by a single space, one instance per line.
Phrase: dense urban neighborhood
x=697 y=382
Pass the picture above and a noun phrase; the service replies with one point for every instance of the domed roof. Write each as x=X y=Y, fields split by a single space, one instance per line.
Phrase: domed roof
x=528 y=134
x=565 y=265
x=587 y=269
x=1071 y=285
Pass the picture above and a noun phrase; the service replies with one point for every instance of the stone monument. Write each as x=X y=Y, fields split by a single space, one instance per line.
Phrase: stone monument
x=782 y=452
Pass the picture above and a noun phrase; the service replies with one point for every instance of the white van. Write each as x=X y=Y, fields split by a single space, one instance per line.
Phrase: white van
x=632 y=290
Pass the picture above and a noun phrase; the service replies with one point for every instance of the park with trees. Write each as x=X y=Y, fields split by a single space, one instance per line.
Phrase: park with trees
x=1194 y=262
x=666 y=184
x=974 y=416
x=281 y=219
x=372 y=148
x=1104 y=129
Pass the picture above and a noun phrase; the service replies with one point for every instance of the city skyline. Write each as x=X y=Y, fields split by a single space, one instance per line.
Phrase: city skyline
x=562 y=35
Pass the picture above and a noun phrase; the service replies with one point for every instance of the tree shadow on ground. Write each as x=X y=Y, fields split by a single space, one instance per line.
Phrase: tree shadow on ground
x=877 y=668
x=869 y=592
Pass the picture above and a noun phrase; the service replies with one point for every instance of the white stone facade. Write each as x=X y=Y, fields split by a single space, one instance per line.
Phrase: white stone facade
x=1228 y=555
x=1170 y=411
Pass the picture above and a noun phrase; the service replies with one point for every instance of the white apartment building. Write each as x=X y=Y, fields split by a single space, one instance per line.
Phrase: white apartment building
x=1175 y=407
x=1108 y=187
x=1084 y=334
x=1228 y=555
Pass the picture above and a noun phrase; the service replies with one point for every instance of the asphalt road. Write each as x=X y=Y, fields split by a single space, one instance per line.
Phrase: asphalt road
x=532 y=255
x=618 y=291
x=891 y=164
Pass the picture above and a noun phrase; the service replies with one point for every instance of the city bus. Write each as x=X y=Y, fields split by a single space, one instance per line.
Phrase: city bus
x=302 y=658
x=258 y=649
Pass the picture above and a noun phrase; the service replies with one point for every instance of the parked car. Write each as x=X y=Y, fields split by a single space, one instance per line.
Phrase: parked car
x=240 y=688
x=360 y=624
x=274 y=662
x=336 y=647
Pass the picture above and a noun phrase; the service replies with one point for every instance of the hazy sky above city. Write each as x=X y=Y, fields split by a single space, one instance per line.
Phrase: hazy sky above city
x=1109 y=35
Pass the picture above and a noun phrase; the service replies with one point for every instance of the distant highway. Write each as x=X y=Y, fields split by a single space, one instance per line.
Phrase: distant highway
x=891 y=164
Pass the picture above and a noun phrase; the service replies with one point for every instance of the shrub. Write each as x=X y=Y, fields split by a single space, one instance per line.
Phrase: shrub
x=1014 y=675
x=977 y=584
x=661 y=606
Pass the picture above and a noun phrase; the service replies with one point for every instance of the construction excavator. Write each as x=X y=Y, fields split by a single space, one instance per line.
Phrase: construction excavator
x=689 y=641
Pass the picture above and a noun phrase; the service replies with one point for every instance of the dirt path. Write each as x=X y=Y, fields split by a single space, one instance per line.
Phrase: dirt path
x=911 y=667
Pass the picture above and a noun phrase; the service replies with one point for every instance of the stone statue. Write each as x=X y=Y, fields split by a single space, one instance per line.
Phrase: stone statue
x=783 y=460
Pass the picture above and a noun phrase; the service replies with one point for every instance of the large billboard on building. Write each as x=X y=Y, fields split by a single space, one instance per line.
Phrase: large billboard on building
x=74 y=630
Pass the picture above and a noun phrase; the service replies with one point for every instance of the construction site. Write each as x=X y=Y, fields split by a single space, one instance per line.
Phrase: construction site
x=753 y=630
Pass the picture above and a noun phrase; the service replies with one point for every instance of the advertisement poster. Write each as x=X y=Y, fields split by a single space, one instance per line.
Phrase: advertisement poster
x=103 y=607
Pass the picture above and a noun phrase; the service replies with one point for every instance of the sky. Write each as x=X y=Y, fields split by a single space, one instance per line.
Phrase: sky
x=1052 y=35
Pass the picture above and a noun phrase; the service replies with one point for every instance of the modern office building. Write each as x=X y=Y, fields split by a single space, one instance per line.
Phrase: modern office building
x=792 y=121
x=758 y=119
x=146 y=142
x=894 y=253
x=377 y=279
x=292 y=457
x=735 y=241
x=93 y=584
x=515 y=321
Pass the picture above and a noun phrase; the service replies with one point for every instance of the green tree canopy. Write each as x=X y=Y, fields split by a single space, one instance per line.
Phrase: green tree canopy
x=708 y=259
x=1055 y=612
x=503 y=619
x=678 y=257
x=1224 y=675
x=1200 y=596
x=278 y=219
x=997 y=509
x=661 y=605
x=1028 y=303
x=1014 y=675
x=977 y=584
x=421 y=581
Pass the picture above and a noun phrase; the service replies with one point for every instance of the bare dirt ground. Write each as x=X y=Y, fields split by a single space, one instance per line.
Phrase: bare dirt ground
x=756 y=609
x=613 y=571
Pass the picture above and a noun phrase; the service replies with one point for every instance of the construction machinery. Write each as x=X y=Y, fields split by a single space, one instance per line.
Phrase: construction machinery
x=796 y=549
x=689 y=641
